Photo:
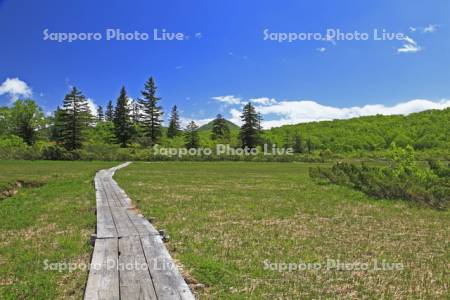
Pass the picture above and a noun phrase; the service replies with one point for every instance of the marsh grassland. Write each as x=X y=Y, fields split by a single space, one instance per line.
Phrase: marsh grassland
x=234 y=225
x=50 y=218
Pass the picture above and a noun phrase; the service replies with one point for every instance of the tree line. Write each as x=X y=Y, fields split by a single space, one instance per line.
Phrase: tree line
x=132 y=124
x=122 y=122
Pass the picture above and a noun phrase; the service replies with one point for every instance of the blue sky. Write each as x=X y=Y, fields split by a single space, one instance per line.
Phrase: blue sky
x=225 y=61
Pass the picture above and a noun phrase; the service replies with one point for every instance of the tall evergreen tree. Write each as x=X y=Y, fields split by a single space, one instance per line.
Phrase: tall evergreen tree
x=135 y=112
x=174 y=123
x=152 y=113
x=75 y=118
x=251 y=127
x=220 y=130
x=100 y=114
x=123 y=128
x=259 y=123
x=109 y=114
x=191 y=137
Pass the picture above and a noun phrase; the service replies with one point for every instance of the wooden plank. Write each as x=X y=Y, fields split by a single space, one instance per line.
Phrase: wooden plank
x=143 y=226
x=143 y=268
x=167 y=280
x=124 y=225
x=105 y=223
x=135 y=280
x=103 y=281
x=119 y=194
x=111 y=198
x=124 y=199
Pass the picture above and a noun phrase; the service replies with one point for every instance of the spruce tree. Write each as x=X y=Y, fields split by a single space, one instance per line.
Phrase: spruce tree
x=259 y=123
x=191 y=137
x=174 y=123
x=100 y=114
x=123 y=128
x=135 y=112
x=220 y=130
x=75 y=118
x=251 y=127
x=152 y=113
x=109 y=114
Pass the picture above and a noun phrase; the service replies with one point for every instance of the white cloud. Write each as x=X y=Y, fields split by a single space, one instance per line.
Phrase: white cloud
x=15 y=88
x=235 y=116
x=301 y=111
x=427 y=29
x=200 y=122
x=430 y=28
x=92 y=106
x=243 y=57
x=263 y=101
x=229 y=99
x=321 y=49
x=410 y=40
x=198 y=35
x=409 y=46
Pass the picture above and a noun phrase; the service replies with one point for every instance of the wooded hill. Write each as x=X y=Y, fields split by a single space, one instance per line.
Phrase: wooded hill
x=425 y=130
x=209 y=126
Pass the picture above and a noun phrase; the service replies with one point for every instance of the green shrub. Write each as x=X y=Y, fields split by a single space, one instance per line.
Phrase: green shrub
x=401 y=180
x=56 y=152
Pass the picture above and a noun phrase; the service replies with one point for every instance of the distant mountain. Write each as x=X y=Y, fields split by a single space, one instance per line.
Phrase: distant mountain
x=208 y=126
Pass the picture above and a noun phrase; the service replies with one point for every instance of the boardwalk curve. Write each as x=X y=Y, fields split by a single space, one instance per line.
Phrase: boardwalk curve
x=130 y=260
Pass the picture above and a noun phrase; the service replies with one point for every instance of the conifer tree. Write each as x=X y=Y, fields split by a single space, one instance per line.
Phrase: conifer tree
x=152 y=113
x=109 y=114
x=123 y=128
x=75 y=118
x=135 y=112
x=100 y=114
x=259 y=122
x=251 y=127
x=191 y=137
x=174 y=123
x=220 y=130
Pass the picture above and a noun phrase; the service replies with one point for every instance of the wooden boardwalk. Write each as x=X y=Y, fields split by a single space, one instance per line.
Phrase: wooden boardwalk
x=130 y=260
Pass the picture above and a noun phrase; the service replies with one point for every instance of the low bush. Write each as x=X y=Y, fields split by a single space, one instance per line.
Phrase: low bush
x=402 y=179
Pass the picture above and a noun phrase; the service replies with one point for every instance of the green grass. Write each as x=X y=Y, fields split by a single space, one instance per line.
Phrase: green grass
x=226 y=219
x=51 y=222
